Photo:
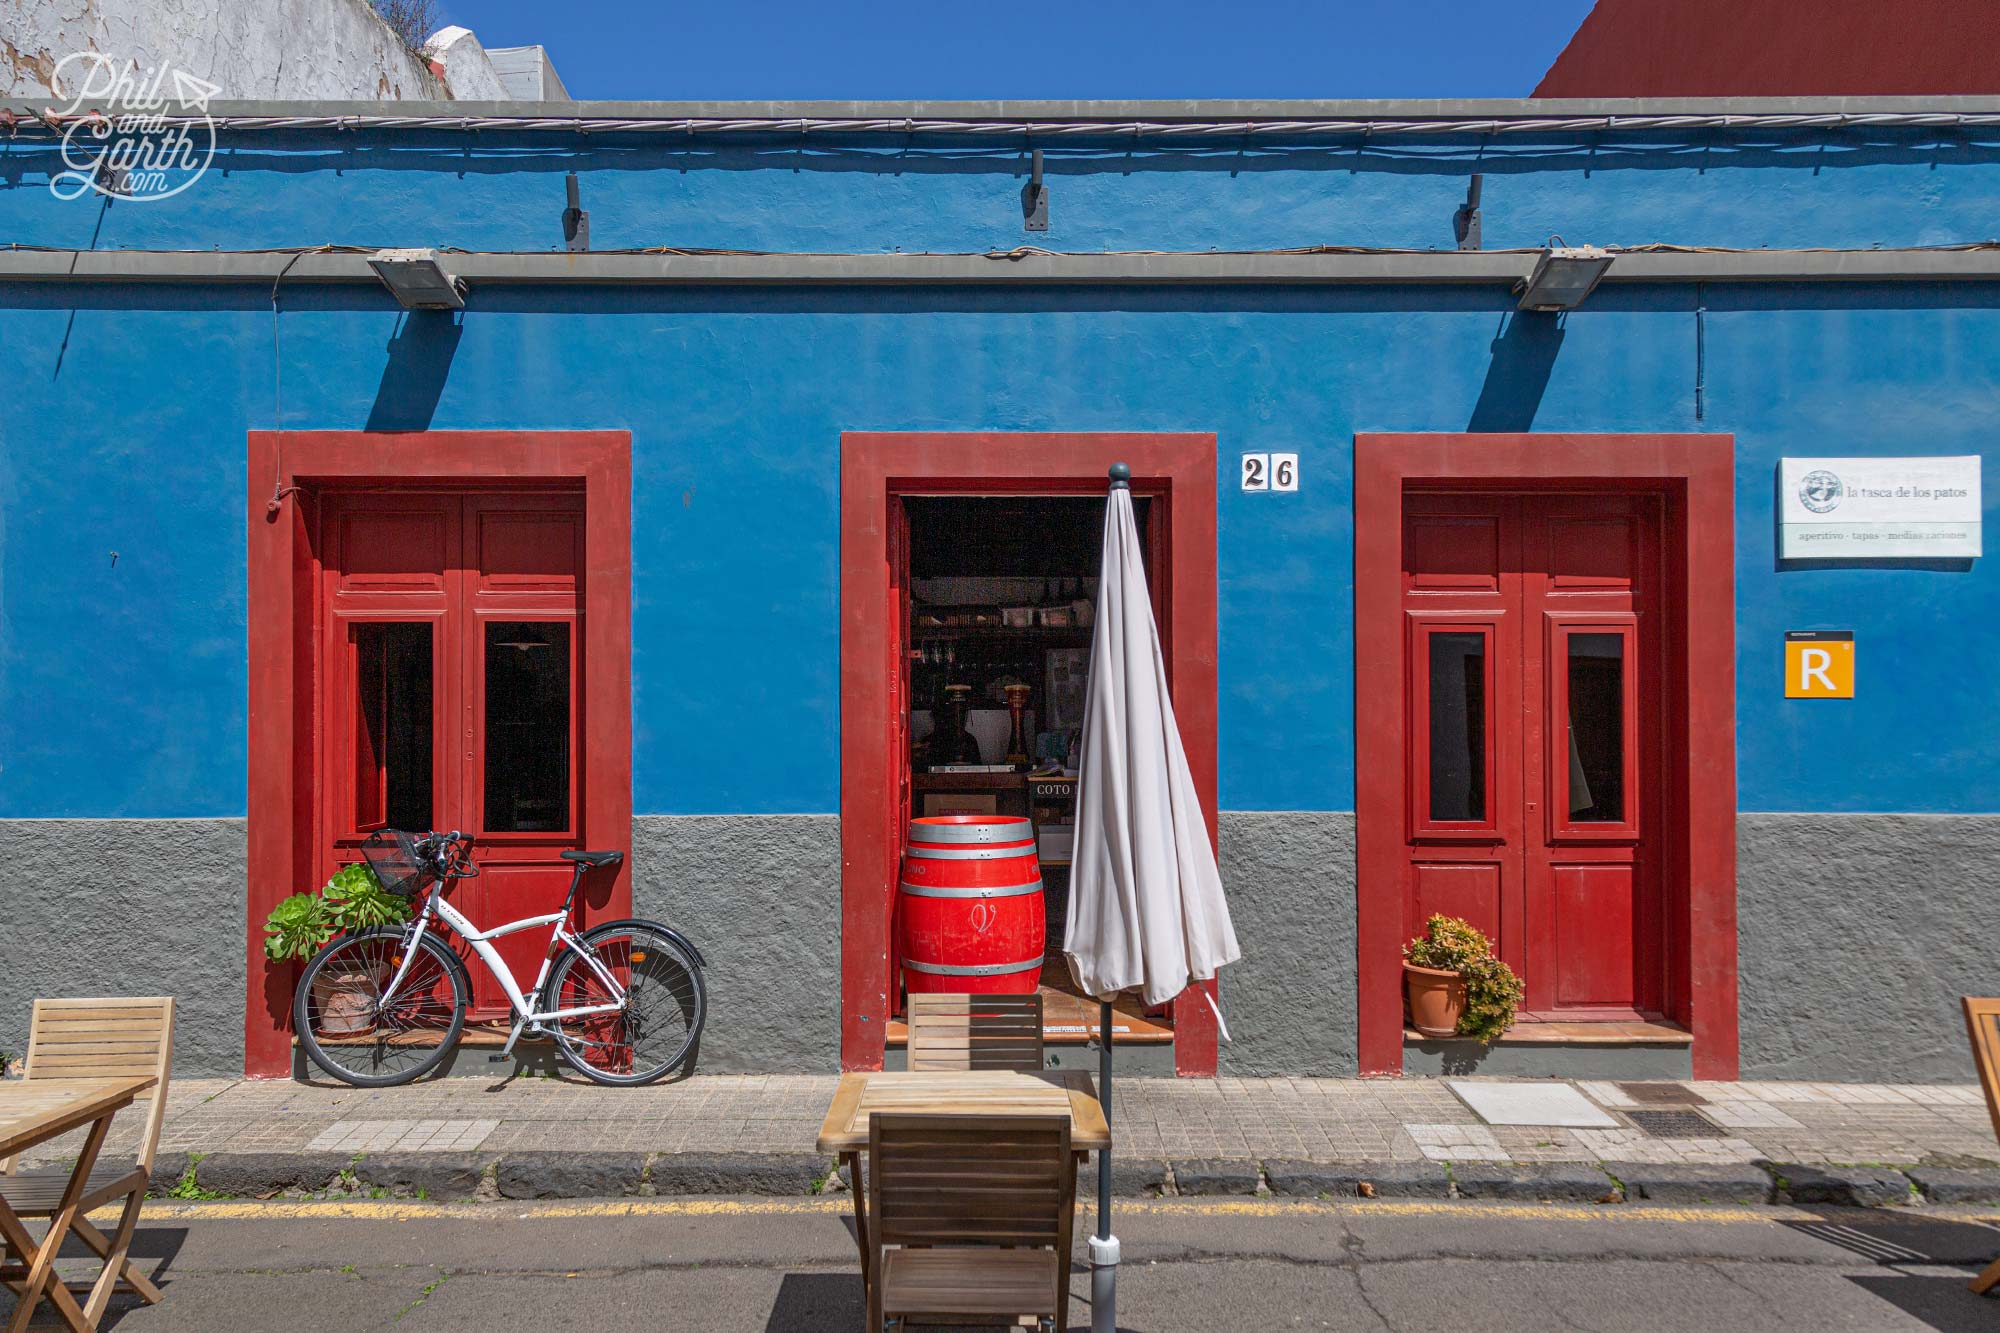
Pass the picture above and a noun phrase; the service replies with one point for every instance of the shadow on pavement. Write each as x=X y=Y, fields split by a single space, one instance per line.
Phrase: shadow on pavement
x=1941 y=1302
x=1898 y=1241
x=810 y=1302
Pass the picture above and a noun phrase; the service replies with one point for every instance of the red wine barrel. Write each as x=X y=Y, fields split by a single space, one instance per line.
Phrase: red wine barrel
x=971 y=906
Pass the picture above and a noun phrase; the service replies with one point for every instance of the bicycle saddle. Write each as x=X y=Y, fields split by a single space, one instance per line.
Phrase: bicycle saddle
x=594 y=859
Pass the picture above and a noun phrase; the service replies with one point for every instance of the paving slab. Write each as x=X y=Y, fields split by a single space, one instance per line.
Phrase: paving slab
x=1358 y=1180
x=1547 y=1104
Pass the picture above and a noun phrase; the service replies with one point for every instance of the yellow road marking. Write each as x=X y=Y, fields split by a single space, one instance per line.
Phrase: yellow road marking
x=409 y=1210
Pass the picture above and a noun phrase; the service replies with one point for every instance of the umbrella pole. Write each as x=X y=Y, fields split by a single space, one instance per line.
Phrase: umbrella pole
x=1104 y=1245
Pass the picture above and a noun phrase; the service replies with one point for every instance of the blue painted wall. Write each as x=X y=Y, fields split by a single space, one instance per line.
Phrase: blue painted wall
x=122 y=426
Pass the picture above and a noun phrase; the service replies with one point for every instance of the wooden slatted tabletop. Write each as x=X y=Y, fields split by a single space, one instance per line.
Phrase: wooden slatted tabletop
x=974 y=1092
x=34 y=1111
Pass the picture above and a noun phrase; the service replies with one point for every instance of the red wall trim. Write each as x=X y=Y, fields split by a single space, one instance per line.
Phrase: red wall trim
x=281 y=561
x=1697 y=472
x=874 y=465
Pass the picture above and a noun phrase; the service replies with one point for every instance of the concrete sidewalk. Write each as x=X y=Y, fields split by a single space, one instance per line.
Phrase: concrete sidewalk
x=723 y=1134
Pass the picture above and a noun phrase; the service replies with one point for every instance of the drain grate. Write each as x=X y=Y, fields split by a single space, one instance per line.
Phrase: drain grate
x=1662 y=1094
x=1674 y=1124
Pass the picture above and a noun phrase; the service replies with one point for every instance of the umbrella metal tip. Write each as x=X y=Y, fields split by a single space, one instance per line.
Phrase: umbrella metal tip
x=1121 y=474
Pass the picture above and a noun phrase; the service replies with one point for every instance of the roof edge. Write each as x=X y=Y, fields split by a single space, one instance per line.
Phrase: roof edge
x=1161 y=111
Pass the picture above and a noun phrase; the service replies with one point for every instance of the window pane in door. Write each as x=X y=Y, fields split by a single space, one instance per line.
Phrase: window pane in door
x=1458 y=727
x=392 y=726
x=1596 y=728
x=527 y=726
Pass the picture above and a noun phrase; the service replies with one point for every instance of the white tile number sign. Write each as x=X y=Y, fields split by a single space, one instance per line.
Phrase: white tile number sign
x=1284 y=472
x=1256 y=472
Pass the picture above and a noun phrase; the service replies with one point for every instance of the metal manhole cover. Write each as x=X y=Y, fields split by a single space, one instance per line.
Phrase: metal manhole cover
x=1662 y=1094
x=1673 y=1124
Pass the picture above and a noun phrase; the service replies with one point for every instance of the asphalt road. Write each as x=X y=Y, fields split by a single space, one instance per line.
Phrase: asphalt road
x=789 y=1265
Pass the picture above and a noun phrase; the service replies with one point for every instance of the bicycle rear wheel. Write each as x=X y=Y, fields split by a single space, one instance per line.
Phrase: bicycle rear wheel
x=346 y=1029
x=654 y=1031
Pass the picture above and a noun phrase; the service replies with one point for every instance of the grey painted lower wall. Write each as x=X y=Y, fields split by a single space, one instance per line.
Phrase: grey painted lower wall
x=1856 y=936
x=128 y=906
x=760 y=897
x=1289 y=1003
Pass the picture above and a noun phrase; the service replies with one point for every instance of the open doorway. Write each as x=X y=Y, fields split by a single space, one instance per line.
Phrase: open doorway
x=1001 y=599
x=879 y=473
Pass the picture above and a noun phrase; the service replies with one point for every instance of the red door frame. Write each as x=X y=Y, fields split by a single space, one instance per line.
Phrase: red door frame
x=292 y=465
x=873 y=467
x=1696 y=473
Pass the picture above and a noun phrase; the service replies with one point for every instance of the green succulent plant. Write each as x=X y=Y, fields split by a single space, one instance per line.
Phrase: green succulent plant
x=352 y=900
x=1492 y=991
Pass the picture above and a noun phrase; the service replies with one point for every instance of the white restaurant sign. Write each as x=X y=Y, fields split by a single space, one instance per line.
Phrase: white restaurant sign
x=1839 y=508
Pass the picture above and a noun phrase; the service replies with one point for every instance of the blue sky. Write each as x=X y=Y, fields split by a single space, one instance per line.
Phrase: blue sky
x=1087 y=48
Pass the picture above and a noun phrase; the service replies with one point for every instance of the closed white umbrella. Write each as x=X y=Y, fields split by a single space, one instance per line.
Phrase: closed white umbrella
x=1145 y=900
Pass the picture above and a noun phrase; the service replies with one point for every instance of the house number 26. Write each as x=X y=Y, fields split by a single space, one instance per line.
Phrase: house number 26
x=1270 y=472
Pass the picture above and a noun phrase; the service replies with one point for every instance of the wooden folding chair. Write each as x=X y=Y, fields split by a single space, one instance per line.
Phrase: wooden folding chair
x=946 y=1194
x=1982 y=1024
x=98 y=1038
x=958 y=1032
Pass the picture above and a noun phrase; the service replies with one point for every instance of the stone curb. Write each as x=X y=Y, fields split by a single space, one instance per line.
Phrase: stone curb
x=1555 y=1182
x=265 y=1175
x=1358 y=1180
x=1208 y=1176
x=1954 y=1185
x=1843 y=1186
x=566 y=1175
x=423 y=1175
x=459 y=1176
x=1687 y=1182
x=737 y=1173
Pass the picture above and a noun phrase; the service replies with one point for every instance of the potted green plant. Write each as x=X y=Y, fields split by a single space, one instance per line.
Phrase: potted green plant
x=302 y=924
x=1456 y=987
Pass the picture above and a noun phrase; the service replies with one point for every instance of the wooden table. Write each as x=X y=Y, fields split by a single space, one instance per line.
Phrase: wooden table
x=33 y=1111
x=974 y=1092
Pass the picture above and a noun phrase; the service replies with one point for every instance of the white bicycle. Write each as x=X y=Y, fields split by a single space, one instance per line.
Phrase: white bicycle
x=624 y=1000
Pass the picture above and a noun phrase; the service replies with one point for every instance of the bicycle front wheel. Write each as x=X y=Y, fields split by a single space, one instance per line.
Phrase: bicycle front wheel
x=647 y=1032
x=349 y=1030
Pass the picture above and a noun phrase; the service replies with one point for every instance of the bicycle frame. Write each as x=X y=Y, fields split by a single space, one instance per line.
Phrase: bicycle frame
x=527 y=1018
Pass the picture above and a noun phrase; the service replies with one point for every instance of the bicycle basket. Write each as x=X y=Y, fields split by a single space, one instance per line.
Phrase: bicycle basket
x=392 y=855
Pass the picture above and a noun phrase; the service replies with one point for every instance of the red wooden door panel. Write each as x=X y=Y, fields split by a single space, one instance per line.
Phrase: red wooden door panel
x=1532 y=720
x=450 y=697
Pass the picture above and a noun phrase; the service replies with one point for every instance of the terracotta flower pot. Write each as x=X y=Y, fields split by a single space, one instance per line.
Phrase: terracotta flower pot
x=1437 y=1000
x=346 y=1005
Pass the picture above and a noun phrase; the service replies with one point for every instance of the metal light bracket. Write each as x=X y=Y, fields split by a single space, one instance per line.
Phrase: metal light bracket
x=1465 y=222
x=1035 y=197
x=576 y=222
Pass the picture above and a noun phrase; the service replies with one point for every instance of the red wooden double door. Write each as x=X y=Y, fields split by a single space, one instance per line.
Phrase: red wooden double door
x=448 y=692
x=1533 y=678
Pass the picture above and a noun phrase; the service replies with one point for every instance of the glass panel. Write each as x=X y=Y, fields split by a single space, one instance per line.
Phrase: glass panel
x=1596 y=728
x=527 y=726
x=392 y=728
x=1458 y=727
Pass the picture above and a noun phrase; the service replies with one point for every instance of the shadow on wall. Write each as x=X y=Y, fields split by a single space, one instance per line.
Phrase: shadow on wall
x=420 y=356
x=1524 y=356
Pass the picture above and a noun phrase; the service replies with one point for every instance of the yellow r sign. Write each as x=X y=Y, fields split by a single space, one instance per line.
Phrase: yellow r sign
x=1819 y=664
